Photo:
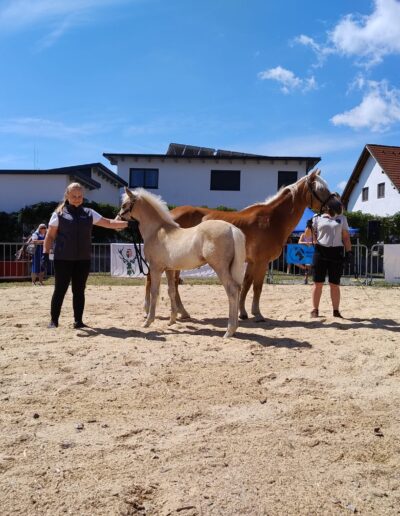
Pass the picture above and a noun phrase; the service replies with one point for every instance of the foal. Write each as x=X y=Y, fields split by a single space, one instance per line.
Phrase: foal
x=168 y=247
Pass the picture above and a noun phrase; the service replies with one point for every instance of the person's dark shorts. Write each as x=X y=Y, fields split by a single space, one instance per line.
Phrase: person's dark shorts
x=327 y=261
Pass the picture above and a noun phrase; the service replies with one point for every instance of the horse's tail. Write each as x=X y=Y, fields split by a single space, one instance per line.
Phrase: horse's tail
x=237 y=264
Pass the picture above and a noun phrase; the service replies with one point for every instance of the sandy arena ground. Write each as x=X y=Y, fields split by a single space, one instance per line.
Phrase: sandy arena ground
x=292 y=417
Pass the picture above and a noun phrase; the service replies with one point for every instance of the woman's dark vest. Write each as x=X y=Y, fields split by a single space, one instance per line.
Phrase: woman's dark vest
x=74 y=235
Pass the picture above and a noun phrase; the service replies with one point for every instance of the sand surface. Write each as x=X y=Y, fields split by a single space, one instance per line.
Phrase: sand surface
x=293 y=416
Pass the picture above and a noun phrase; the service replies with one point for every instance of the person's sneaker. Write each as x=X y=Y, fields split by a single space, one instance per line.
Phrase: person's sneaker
x=52 y=324
x=79 y=324
x=336 y=313
x=314 y=313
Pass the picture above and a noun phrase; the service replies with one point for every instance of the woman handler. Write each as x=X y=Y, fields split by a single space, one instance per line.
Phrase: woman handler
x=70 y=229
x=331 y=238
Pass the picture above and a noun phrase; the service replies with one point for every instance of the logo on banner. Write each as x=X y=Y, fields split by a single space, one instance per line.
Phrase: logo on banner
x=299 y=254
x=128 y=260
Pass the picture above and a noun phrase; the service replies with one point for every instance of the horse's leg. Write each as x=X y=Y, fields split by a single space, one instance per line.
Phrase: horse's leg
x=247 y=281
x=179 y=304
x=154 y=290
x=172 y=295
x=232 y=289
x=259 y=272
x=147 y=294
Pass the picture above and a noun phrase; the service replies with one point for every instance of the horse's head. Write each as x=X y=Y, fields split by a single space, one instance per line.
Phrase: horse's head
x=319 y=192
x=127 y=206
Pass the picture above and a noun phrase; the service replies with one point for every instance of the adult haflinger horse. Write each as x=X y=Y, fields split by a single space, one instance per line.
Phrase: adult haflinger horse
x=266 y=226
x=168 y=247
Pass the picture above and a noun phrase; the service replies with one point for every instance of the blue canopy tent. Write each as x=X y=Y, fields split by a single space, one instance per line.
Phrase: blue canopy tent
x=307 y=215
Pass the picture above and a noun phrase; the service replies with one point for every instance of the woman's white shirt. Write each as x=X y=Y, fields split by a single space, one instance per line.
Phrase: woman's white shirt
x=329 y=229
x=54 y=217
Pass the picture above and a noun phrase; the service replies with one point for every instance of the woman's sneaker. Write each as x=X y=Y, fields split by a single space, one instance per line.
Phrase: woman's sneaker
x=53 y=324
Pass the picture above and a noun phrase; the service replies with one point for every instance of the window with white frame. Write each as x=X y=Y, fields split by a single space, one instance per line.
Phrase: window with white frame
x=225 y=180
x=286 y=178
x=144 y=177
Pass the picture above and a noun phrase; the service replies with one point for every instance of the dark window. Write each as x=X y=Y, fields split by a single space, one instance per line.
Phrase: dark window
x=364 y=194
x=145 y=177
x=381 y=190
x=286 y=178
x=225 y=180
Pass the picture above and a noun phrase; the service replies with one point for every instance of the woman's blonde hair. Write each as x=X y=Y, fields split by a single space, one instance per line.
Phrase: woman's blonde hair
x=72 y=186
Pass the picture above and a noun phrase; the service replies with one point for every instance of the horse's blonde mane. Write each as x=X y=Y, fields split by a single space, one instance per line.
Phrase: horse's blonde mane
x=320 y=184
x=156 y=202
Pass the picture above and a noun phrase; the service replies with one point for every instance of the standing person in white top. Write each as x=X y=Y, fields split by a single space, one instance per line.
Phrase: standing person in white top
x=70 y=229
x=331 y=238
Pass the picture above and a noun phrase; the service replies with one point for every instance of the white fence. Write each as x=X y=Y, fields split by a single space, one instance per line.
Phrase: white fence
x=368 y=264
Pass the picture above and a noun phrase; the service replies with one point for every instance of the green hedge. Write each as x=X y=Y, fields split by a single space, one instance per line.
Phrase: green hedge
x=15 y=226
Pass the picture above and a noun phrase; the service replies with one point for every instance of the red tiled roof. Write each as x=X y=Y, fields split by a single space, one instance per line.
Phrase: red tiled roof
x=387 y=157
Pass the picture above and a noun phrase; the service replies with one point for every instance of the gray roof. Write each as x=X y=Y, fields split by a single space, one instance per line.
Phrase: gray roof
x=182 y=151
x=81 y=173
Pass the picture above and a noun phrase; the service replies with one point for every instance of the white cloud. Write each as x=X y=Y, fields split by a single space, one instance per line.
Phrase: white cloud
x=370 y=37
x=341 y=186
x=320 y=51
x=59 y=15
x=38 y=127
x=288 y=80
x=316 y=144
x=378 y=110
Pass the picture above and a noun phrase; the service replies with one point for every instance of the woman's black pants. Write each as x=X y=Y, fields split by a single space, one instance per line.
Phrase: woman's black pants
x=65 y=272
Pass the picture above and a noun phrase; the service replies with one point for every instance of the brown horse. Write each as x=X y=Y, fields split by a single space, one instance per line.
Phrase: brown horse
x=266 y=226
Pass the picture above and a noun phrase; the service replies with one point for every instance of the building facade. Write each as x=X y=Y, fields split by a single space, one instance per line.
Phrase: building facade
x=20 y=188
x=207 y=177
x=374 y=185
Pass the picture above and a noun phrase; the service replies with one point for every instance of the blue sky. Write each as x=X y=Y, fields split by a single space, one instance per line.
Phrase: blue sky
x=276 y=77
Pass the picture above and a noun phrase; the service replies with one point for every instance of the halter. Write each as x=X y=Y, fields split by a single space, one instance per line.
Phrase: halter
x=143 y=265
x=127 y=210
x=314 y=194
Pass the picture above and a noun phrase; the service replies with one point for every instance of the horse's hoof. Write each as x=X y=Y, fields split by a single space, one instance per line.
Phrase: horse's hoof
x=146 y=324
x=259 y=318
x=243 y=316
x=230 y=332
x=183 y=316
x=170 y=323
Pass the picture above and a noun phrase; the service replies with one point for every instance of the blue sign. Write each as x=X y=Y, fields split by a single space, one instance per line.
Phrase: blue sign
x=299 y=253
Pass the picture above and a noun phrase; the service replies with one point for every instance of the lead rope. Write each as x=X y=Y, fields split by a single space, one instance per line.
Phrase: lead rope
x=140 y=259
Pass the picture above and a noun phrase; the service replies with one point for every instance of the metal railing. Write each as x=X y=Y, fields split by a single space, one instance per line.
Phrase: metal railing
x=368 y=263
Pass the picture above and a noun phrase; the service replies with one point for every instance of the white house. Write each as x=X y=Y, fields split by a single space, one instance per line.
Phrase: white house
x=207 y=177
x=20 y=188
x=374 y=185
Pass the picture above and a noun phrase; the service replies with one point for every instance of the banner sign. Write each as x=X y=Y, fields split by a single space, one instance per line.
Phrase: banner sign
x=391 y=262
x=124 y=264
x=299 y=254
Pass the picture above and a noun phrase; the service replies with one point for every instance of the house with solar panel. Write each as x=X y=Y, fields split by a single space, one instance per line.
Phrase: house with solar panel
x=374 y=185
x=203 y=176
x=20 y=188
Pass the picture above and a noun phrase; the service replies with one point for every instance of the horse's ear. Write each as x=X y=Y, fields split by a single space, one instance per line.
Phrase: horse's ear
x=314 y=173
x=129 y=193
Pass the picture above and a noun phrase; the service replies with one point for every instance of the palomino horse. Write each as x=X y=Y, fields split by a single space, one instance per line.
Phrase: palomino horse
x=168 y=247
x=266 y=226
